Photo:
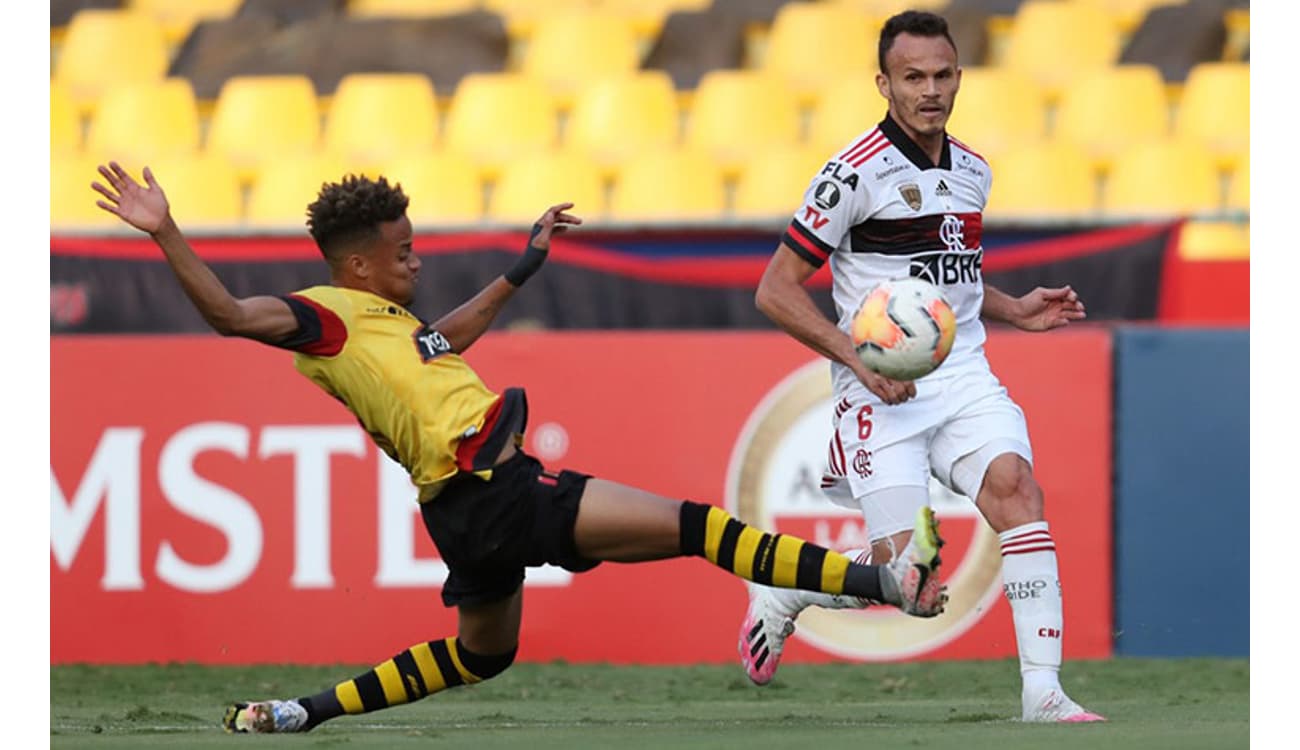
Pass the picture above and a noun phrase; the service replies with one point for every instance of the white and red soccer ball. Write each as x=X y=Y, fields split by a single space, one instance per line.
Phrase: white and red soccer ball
x=904 y=328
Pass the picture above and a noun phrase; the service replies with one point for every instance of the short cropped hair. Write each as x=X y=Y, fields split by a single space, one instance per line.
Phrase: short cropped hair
x=916 y=23
x=351 y=210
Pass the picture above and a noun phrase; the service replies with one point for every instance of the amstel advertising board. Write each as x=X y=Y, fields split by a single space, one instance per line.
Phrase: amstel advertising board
x=208 y=504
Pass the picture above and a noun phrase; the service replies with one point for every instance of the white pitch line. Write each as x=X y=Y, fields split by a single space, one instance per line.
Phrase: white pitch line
x=435 y=726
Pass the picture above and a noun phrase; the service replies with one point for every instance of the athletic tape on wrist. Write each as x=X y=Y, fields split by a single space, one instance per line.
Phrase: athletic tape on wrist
x=531 y=261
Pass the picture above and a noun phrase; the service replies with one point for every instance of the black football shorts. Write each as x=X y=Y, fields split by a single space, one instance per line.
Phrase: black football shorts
x=489 y=531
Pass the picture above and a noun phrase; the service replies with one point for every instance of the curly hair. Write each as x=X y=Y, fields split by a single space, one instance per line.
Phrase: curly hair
x=351 y=210
x=915 y=22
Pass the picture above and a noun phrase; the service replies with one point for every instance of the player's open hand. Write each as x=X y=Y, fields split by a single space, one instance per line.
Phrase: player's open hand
x=144 y=208
x=554 y=221
x=1045 y=309
x=890 y=391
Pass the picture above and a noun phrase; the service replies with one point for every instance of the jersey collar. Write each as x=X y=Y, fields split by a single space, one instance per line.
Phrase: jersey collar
x=909 y=148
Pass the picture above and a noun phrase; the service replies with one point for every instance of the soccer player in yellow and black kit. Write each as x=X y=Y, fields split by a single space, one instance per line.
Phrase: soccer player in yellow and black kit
x=491 y=509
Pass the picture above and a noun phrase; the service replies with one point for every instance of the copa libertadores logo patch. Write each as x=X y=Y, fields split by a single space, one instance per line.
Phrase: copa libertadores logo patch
x=773 y=482
x=827 y=196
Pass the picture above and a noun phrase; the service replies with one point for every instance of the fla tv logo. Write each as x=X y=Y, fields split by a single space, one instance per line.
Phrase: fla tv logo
x=773 y=482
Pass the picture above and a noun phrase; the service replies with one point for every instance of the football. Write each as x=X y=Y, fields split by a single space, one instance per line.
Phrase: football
x=904 y=328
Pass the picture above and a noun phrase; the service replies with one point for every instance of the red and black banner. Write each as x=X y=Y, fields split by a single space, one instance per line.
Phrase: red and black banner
x=645 y=279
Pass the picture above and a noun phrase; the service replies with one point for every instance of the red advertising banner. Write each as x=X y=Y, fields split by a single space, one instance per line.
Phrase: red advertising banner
x=208 y=504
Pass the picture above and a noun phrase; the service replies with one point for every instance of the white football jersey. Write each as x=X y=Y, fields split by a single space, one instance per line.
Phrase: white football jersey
x=879 y=210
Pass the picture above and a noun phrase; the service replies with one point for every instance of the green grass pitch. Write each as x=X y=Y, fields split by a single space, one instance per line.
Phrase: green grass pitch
x=1152 y=704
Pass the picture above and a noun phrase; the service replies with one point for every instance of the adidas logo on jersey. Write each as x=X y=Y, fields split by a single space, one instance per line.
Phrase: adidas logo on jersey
x=942 y=189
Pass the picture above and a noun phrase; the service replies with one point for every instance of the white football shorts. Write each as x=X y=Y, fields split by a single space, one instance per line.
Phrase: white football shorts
x=877 y=447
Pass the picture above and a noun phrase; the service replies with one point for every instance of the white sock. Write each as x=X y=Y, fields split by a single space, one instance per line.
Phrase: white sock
x=1032 y=585
x=797 y=600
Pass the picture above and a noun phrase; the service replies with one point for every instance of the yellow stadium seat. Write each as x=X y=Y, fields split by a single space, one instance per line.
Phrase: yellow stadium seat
x=506 y=7
x=1105 y=111
x=1239 y=188
x=1214 y=240
x=883 y=9
x=65 y=122
x=1055 y=42
x=645 y=6
x=261 y=118
x=530 y=185
x=410 y=8
x=1043 y=180
x=72 y=200
x=145 y=121
x=1238 y=22
x=1215 y=110
x=522 y=18
x=672 y=185
x=375 y=116
x=736 y=114
x=847 y=107
x=773 y=183
x=568 y=50
x=286 y=186
x=202 y=191
x=105 y=48
x=523 y=15
x=178 y=18
x=443 y=187
x=617 y=117
x=496 y=117
x=810 y=41
x=998 y=109
x=1163 y=178
x=647 y=16
x=1128 y=14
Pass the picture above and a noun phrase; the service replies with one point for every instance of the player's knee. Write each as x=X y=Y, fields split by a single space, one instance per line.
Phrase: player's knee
x=486 y=666
x=1011 y=496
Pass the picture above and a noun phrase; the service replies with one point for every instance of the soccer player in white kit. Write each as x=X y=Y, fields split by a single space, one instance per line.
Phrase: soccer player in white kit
x=906 y=199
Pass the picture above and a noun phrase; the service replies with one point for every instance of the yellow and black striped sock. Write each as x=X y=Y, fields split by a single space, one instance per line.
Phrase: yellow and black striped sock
x=419 y=671
x=772 y=559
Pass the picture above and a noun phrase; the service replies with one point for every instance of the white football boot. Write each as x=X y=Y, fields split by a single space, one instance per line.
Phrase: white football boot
x=265 y=717
x=1052 y=706
x=762 y=634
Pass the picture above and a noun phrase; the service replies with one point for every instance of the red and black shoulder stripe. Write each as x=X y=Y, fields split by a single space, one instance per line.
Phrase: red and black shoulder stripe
x=321 y=331
x=806 y=244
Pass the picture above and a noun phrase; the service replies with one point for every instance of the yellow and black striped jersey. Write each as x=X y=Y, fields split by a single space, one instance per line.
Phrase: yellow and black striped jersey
x=421 y=402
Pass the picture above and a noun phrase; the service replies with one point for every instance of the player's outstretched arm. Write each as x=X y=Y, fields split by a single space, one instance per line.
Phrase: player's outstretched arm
x=782 y=297
x=463 y=326
x=1040 y=310
x=145 y=207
